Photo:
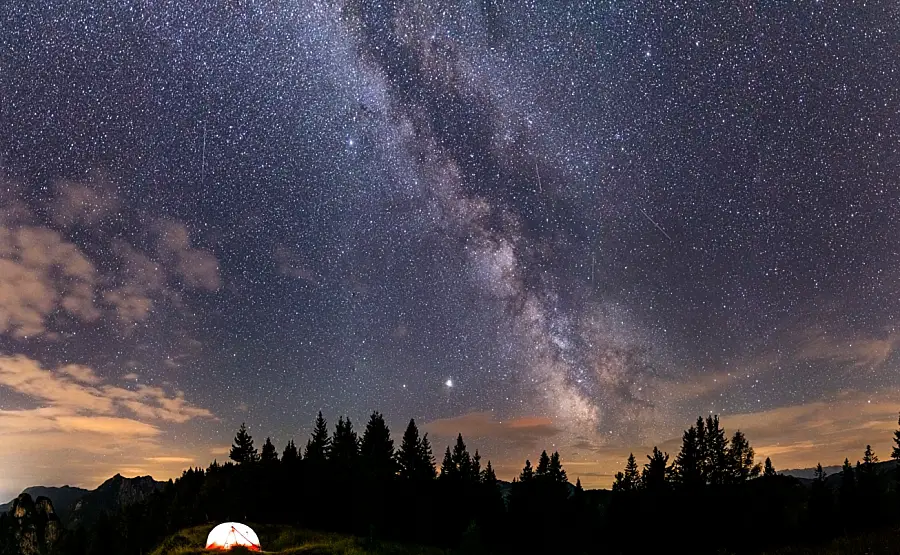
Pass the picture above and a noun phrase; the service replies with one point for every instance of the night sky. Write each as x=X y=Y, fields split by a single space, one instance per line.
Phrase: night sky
x=560 y=225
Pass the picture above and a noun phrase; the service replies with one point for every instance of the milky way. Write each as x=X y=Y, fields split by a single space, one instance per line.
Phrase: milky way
x=568 y=225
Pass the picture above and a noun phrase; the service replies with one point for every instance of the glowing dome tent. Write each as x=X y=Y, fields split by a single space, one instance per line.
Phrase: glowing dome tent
x=232 y=534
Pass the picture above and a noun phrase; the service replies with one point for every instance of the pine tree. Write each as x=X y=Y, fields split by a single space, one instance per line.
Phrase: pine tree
x=527 y=474
x=426 y=460
x=448 y=469
x=543 y=467
x=344 y=453
x=820 y=474
x=895 y=452
x=687 y=463
x=702 y=451
x=556 y=473
x=461 y=461
x=319 y=443
x=378 y=449
x=242 y=451
x=653 y=477
x=867 y=476
x=630 y=476
x=768 y=469
x=409 y=454
x=740 y=458
x=290 y=455
x=488 y=477
x=869 y=459
x=619 y=483
x=848 y=487
x=475 y=469
x=716 y=452
x=269 y=454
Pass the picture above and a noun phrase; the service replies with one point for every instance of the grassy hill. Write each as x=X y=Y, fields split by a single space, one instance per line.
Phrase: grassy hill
x=287 y=540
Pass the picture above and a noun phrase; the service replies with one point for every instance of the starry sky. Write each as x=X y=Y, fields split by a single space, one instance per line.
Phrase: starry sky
x=563 y=225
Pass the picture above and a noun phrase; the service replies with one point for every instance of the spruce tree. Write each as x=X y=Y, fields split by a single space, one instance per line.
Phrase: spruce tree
x=869 y=459
x=630 y=478
x=290 y=456
x=377 y=449
x=619 y=483
x=488 y=477
x=654 y=475
x=527 y=474
x=556 y=473
x=318 y=445
x=895 y=452
x=269 y=454
x=242 y=450
x=409 y=454
x=716 y=455
x=740 y=458
x=426 y=469
x=820 y=474
x=768 y=468
x=543 y=467
x=344 y=453
x=448 y=469
x=461 y=460
x=687 y=462
x=475 y=469
x=702 y=451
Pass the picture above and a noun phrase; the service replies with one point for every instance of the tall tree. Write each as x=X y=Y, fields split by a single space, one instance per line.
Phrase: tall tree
x=242 y=450
x=820 y=475
x=426 y=459
x=488 y=477
x=688 y=462
x=654 y=475
x=448 y=469
x=269 y=454
x=290 y=455
x=460 y=461
x=344 y=453
x=869 y=459
x=630 y=476
x=895 y=452
x=768 y=468
x=475 y=469
x=556 y=472
x=716 y=452
x=409 y=455
x=740 y=458
x=543 y=467
x=319 y=443
x=378 y=449
x=527 y=474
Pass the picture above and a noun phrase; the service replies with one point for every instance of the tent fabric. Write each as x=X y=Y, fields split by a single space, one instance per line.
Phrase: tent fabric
x=232 y=534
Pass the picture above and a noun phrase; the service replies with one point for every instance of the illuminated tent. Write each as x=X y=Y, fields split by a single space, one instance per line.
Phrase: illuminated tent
x=232 y=534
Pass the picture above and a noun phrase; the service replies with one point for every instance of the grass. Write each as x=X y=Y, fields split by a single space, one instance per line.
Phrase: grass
x=886 y=540
x=288 y=540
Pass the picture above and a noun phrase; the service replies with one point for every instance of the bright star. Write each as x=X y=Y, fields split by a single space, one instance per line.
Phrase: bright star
x=449 y=383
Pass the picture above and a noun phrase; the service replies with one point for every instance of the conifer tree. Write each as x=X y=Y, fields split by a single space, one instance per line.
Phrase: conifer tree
x=768 y=468
x=702 y=448
x=242 y=450
x=716 y=455
x=869 y=459
x=268 y=454
x=654 y=475
x=448 y=469
x=527 y=474
x=344 y=452
x=488 y=477
x=619 y=482
x=740 y=458
x=377 y=449
x=319 y=443
x=556 y=472
x=475 y=468
x=819 y=475
x=290 y=455
x=848 y=488
x=687 y=463
x=895 y=451
x=543 y=467
x=408 y=456
x=460 y=460
x=630 y=477
x=426 y=459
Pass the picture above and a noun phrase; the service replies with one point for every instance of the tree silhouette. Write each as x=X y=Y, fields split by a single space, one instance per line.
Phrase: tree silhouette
x=556 y=472
x=448 y=469
x=460 y=463
x=426 y=459
x=475 y=468
x=654 y=475
x=344 y=453
x=377 y=449
x=268 y=454
x=687 y=466
x=290 y=455
x=488 y=477
x=242 y=450
x=869 y=459
x=716 y=452
x=527 y=474
x=768 y=468
x=820 y=474
x=543 y=467
x=414 y=458
x=740 y=458
x=895 y=451
x=319 y=443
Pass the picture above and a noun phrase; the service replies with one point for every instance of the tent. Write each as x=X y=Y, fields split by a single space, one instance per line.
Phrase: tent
x=232 y=534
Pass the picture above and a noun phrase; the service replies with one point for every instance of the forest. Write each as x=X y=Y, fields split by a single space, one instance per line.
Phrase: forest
x=711 y=497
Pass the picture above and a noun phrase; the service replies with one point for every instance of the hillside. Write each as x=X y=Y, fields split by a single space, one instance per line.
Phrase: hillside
x=288 y=540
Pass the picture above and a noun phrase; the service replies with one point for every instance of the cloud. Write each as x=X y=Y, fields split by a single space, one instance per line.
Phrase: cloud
x=196 y=268
x=81 y=373
x=184 y=460
x=863 y=352
x=524 y=431
x=86 y=203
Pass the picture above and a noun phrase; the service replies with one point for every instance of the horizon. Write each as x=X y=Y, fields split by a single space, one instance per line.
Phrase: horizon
x=543 y=226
